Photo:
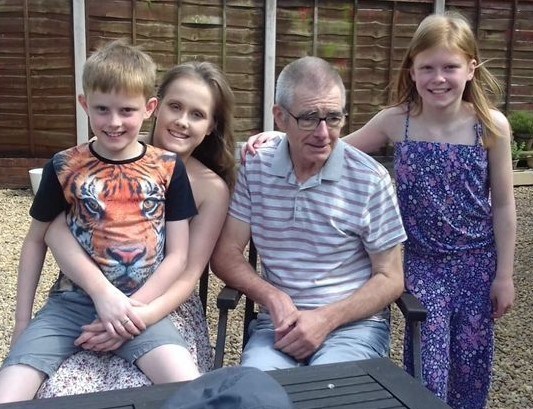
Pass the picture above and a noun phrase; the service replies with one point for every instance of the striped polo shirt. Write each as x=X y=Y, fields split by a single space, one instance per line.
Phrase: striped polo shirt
x=313 y=238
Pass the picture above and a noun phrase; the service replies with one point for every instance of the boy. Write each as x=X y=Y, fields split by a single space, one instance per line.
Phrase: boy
x=122 y=198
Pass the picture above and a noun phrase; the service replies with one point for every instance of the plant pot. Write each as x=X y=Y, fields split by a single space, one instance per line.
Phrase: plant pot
x=526 y=157
x=35 y=178
x=527 y=139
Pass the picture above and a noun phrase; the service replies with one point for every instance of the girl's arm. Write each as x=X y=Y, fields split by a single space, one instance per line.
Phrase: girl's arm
x=204 y=230
x=173 y=264
x=503 y=215
x=111 y=304
x=376 y=132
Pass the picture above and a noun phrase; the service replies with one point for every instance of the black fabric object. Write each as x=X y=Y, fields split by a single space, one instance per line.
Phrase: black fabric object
x=231 y=388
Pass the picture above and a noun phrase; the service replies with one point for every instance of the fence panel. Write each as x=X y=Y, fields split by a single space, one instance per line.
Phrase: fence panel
x=364 y=39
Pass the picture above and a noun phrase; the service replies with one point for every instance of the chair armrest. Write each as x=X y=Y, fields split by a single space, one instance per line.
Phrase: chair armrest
x=415 y=313
x=228 y=298
x=411 y=308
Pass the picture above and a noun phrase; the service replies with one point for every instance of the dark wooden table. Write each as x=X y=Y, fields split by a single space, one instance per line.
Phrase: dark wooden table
x=371 y=384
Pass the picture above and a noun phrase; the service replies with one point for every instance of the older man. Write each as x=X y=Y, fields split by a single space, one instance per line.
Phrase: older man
x=326 y=225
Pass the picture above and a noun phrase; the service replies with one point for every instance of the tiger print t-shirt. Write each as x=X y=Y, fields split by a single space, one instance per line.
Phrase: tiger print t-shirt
x=116 y=209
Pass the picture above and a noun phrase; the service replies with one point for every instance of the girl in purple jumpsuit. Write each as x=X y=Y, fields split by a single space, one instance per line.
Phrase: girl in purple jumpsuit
x=454 y=184
x=450 y=261
x=455 y=189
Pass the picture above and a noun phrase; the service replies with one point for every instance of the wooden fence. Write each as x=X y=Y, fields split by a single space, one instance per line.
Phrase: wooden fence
x=364 y=39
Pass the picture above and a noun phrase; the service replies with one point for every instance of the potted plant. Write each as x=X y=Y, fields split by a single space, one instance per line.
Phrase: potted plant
x=522 y=126
x=516 y=152
x=528 y=157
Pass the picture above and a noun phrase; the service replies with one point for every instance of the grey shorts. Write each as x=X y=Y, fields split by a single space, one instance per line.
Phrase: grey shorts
x=49 y=338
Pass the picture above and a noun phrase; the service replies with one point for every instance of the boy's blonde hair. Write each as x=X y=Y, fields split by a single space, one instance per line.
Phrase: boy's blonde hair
x=451 y=31
x=120 y=67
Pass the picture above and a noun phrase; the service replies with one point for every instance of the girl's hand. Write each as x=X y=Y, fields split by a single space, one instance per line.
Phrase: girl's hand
x=502 y=294
x=256 y=141
x=116 y=313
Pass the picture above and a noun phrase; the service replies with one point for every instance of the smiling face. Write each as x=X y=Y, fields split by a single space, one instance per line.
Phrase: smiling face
x=184 y=116
x=440 y=76
x=116 y=119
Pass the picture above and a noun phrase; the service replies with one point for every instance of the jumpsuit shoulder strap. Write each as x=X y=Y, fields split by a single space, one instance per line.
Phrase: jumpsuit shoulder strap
x=406 y=131
x=478 y=129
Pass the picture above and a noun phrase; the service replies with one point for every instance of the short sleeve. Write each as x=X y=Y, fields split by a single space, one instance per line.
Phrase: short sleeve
x=240 y=206
x=384 y=223
x=179 y=201
x=50 y=199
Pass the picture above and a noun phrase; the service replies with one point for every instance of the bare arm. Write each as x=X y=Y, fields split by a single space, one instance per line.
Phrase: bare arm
x=369 y=138
x=173 y=264
x=230 y=265
x=31 y=261
x=111 y=304
x=167 y=288
x=504 y=217
x=377 y=131
x=204 y=230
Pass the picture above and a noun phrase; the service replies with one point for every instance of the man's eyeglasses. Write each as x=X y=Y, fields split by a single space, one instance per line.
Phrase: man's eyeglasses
x=310 y=123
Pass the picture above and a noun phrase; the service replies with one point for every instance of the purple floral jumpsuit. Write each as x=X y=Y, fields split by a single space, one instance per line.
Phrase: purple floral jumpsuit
x=450 y=262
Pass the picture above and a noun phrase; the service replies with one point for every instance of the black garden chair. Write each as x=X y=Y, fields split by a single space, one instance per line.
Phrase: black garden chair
x=228 y=299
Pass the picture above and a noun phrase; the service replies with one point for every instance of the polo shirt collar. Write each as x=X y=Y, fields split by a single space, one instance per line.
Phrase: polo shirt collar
x=332 y=170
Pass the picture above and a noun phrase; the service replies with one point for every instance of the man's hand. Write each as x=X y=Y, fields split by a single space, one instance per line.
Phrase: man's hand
x=282 y=312
x=116 y=313
x=308 y=333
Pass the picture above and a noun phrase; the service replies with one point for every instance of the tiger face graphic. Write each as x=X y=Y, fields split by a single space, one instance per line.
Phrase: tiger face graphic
x=117 y=215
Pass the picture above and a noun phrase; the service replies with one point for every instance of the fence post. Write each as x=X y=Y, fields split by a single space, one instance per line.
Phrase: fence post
x=270 y=64
x=80 y=55
x=439 y=6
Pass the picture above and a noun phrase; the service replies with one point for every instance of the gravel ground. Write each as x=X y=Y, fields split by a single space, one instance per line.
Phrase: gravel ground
x=512 y=387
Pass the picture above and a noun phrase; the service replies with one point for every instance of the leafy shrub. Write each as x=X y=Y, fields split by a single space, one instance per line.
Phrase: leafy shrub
x=521 y=122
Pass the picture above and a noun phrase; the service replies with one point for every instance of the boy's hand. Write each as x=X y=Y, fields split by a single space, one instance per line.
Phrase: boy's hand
x=116 y=313
x=98 y=339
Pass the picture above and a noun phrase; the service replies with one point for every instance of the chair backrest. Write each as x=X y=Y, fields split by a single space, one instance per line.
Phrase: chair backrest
x=249 y=306
x=203 y=288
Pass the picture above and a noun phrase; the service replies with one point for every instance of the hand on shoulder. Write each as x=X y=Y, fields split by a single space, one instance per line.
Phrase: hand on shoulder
x=254 y=142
